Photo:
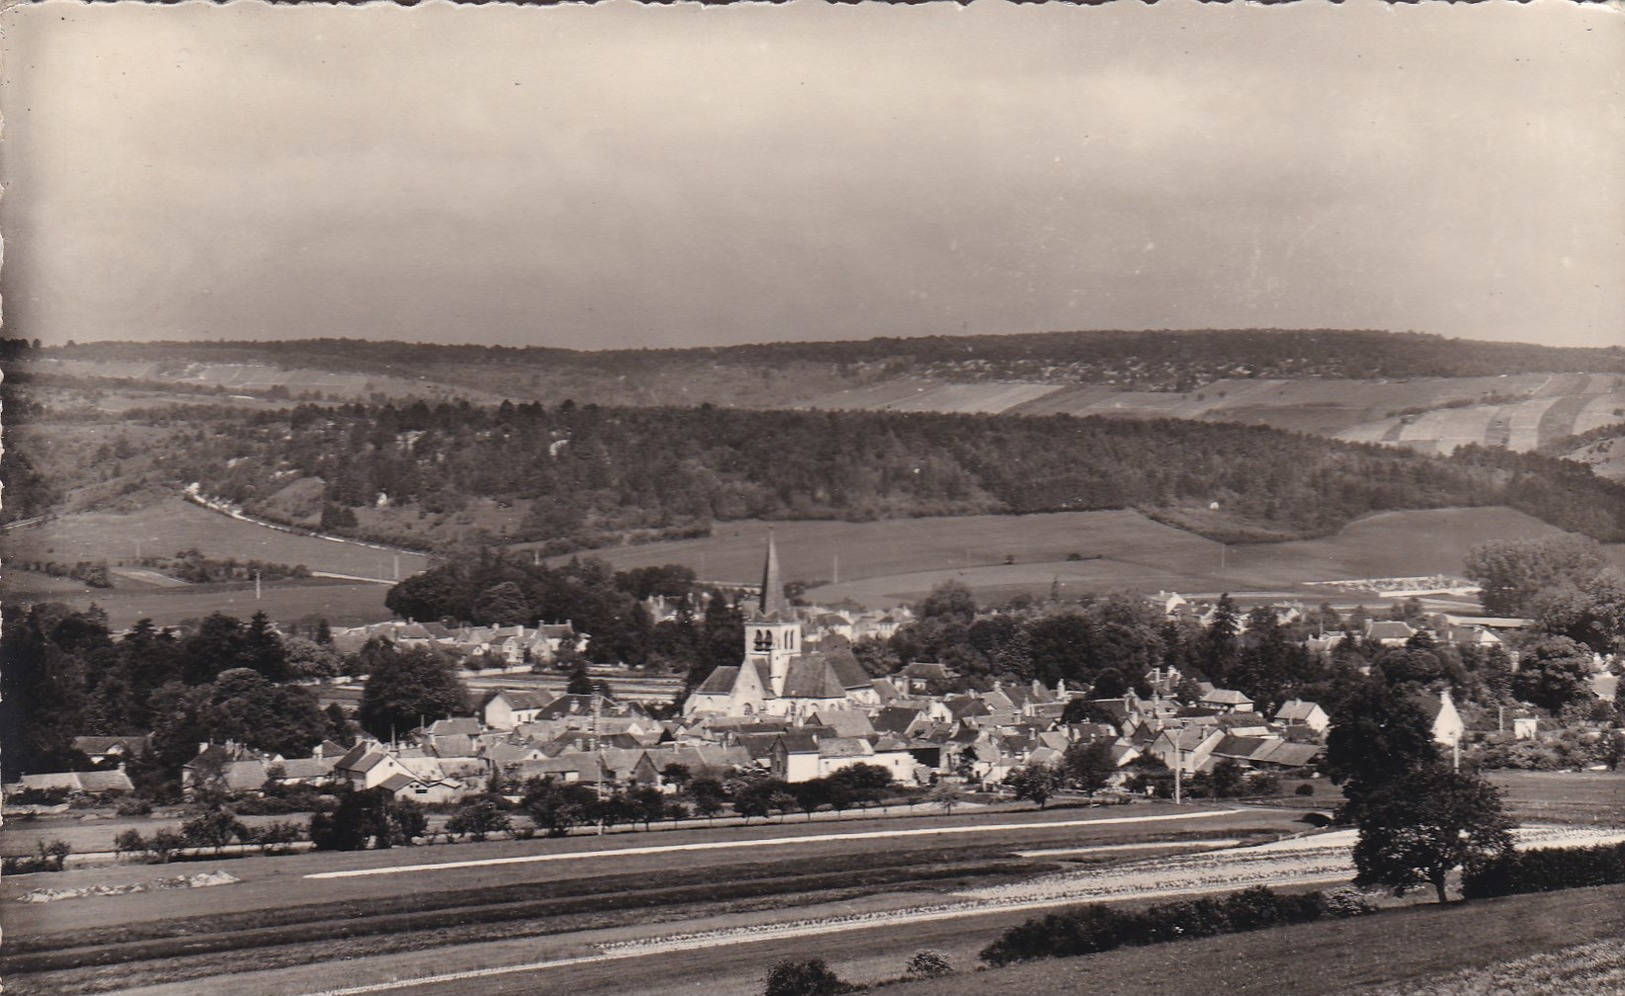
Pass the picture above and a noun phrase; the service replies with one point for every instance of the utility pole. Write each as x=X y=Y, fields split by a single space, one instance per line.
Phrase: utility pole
x=1179 y=772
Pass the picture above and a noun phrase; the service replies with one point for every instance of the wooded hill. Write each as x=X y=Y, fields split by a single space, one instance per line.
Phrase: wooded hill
x=767 y=374
x=588 y=475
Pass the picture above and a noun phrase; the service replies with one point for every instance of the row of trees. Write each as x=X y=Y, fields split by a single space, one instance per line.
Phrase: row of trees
x=227 y=680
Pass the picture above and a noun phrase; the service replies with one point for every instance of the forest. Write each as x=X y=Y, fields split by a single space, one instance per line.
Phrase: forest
x=589 y=476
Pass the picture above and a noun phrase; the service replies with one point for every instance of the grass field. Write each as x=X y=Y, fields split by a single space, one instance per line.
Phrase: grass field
x=340 y=603
x=275 y=918
x=1583 y=797
x=175 y=524
x=883 y=563
x=1400 y=950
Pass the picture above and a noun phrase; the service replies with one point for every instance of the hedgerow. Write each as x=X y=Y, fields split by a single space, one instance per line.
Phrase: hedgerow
x=1546 y=869
x=1093 y=929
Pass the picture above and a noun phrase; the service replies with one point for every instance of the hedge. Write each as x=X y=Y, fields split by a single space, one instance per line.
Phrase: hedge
x=1547 y=869
x=1093 y=929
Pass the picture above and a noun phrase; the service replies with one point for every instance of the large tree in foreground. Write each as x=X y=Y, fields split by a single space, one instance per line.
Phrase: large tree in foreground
x=1418 y=828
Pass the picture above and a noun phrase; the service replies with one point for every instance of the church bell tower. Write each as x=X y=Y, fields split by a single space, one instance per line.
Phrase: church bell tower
x=772 y=635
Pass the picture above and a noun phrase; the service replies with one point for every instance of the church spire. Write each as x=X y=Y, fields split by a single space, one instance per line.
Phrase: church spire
x=772 y=600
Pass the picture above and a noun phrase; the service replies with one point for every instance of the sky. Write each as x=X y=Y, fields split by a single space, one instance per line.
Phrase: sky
x=628 y=175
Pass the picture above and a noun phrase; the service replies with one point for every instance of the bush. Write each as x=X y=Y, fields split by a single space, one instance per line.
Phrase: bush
x=1093 y=929
x=1348 y=902
x=804 y=978
x=929 y=964
x=1546 y=870
x=134 y=807
x=50 y=858
x=1307 y=788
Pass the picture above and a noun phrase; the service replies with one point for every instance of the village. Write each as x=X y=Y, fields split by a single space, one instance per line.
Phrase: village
x=799 y=709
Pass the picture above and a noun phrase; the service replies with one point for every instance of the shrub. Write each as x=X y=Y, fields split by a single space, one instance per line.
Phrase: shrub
x=134 y=807
x=1093 y=929
x=929 y=964
x=50 y=858
x=804 y=978
x=1348 y=902
x=1307 y=788
x=1546 y=870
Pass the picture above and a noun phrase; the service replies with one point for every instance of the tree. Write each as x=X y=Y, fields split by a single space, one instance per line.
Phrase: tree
x=1589 y=609
x=1417 y=828
x=555 y=806
x=361 y=819
x=947 y=795
x=951 y=599
x=1510 y=573
x=404 y=688
x=1378 y=734
x=1088 y=767
x=1033 y=781
x=804 y=978
x=214 y=828
x=479 y=820
x=708 y=797
x=1553 y=673
x=263 y=650
x=580 y=680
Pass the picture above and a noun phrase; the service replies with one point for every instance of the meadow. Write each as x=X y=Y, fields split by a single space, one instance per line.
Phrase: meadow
x=886 y=563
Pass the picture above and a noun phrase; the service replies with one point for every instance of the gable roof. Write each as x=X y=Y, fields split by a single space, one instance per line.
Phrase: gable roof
x=845 y=722
x=719 y=682
x=812 y=677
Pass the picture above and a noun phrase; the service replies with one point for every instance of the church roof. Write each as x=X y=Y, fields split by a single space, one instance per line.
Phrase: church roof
x=812 y=678
x=720 y=682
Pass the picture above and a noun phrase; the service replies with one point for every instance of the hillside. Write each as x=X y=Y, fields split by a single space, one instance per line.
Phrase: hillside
x=1407 y=390
x=587 y=476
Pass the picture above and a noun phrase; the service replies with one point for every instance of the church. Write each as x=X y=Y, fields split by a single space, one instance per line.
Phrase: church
x=777 y=679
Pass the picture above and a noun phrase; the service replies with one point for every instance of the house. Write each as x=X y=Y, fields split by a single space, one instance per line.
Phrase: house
x=925 y=678
x=795 y=757
x=1308 y=714
x=111 y=750
x=314 y=771
x=77 y=782
x=1388 y=632
x=1226 y=700
x=404 y=786
x=1447 y=725
x=1525 y=728
x=506 y=708
x=1190 y=749
x=845 y=722
x=367 y=766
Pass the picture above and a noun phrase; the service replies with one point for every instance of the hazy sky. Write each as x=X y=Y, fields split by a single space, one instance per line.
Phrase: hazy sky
x=629 y=175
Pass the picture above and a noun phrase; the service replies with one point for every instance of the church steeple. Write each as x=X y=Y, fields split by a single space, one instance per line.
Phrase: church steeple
x=772 y=599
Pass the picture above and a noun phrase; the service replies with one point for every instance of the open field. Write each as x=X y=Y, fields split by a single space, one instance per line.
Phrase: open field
x=884 y=563
x=1435 y=414
x=340 y=603
x=1578 y=797
x=734 y=948
x=175 y=524
x=1597 y=967
x=1400 y=950
x=272 y=919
